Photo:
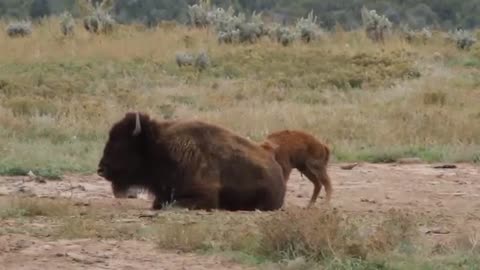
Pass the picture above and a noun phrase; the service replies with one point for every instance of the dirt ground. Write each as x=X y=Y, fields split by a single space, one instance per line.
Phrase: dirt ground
x=452 y=196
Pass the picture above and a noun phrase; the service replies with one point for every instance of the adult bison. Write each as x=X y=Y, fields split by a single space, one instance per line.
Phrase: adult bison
x=197 y=164
x=295 y=149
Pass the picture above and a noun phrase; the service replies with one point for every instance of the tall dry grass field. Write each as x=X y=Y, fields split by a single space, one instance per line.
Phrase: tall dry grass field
x=59 y=96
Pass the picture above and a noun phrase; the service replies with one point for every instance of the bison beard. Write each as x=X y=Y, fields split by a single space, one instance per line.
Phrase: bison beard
x=205 y=165
x=302 y=151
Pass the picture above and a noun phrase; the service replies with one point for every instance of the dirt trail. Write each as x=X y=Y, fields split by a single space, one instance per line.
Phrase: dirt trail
x=452 y=196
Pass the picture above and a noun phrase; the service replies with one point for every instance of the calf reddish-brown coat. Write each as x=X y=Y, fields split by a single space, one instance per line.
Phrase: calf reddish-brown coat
x=296 y=149
x=197 y=164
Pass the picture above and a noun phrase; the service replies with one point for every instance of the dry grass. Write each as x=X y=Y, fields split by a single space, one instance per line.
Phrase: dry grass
x=292 y=239
x=369 y=102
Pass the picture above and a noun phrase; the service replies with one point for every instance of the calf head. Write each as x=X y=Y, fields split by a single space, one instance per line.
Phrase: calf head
x=122 y=161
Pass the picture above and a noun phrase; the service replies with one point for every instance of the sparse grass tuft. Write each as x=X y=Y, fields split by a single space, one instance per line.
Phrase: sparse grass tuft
x=324 y=235
x=186 y=238
x=32 y=207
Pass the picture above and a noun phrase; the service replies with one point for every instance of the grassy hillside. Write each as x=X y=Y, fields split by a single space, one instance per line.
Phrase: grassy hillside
x=59 y=96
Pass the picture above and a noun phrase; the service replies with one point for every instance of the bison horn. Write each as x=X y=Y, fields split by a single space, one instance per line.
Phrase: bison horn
x=138 y=127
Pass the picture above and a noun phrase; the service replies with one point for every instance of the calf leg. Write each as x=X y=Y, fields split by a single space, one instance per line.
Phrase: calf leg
x=317 y=186
x=316 y=172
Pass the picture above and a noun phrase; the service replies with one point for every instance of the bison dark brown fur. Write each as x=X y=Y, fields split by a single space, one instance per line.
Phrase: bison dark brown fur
x=295 y=149
x=204 y=165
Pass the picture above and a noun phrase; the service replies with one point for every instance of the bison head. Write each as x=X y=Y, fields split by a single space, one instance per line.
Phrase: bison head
x=122 y=161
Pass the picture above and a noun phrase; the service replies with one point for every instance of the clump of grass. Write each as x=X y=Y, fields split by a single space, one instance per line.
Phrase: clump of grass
x=325 y=235
x=313 y=234
x=47 y=173
x=186 y=238
x=397 y=232
x=19 y=29
x=413 y=36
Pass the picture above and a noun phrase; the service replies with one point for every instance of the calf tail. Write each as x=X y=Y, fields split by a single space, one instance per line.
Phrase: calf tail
x=326 y=182
x=327 y=154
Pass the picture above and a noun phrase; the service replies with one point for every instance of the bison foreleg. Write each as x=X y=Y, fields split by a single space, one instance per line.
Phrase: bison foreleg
x=204 y=200
x=163 y=197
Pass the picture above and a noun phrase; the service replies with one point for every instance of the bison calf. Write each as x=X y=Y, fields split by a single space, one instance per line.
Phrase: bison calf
x=196 y=164
x=298 y=150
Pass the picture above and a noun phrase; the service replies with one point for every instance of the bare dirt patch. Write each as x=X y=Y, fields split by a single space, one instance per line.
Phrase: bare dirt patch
x=24 y=253
x=449 y=197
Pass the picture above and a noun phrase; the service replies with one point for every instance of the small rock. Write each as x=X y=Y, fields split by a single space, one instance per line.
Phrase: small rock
x=412 y=160
x=22 y=244
x=31 y=174
x=79 y=258
x=127 y=220
x=82 y=204
x=47 y=197
x=148 y=215
x=349 y=166
x=437 y=231
x=445 y=166
x=80 y=187
x=40 y=180
x=26 y=191
x=368 y=201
